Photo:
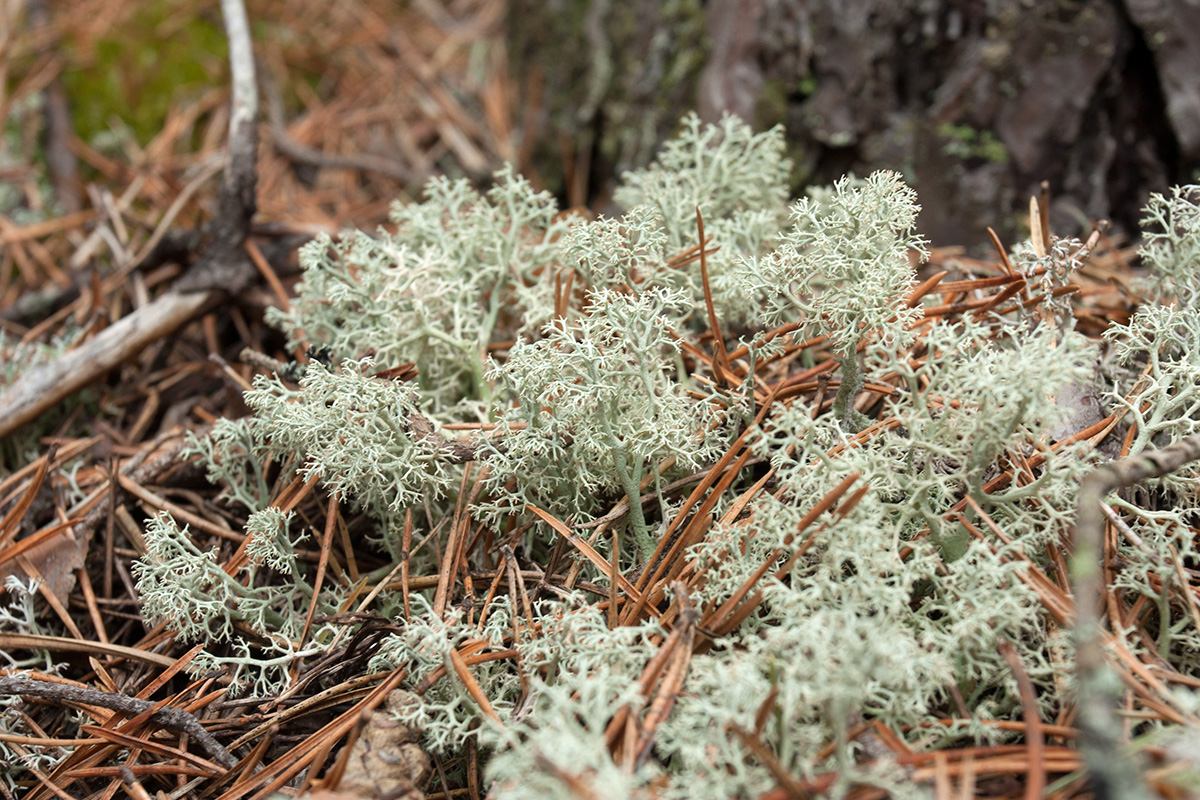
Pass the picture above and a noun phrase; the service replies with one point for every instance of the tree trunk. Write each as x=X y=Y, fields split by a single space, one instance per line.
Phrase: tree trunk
x=974 y=101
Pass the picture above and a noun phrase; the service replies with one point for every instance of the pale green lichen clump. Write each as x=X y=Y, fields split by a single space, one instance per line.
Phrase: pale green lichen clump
x=897 y=608
x=257 y=617
x=843 y=270
x=597 y=405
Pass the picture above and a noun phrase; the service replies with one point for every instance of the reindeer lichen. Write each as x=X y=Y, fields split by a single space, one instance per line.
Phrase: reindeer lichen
x=843 y=270
x=250 y=625
x=602 y=405
x=598 y=406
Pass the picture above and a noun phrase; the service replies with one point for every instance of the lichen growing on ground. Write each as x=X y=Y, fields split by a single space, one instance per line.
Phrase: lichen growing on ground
x=755 y=571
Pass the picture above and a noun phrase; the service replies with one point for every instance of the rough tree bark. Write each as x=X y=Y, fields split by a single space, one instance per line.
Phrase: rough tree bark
x=975 y=101
x=603 y=82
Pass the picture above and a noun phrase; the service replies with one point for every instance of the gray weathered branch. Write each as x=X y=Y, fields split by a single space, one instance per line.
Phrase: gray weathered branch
x=223 y=267
x=1114 y=775
x=174 y=718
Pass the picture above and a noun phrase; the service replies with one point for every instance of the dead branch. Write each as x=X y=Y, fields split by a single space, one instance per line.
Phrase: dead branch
x=223 y=267
x=1099 y=689
x=224 y=264
x=174 y=718
x=301 y=153
x=47 y=384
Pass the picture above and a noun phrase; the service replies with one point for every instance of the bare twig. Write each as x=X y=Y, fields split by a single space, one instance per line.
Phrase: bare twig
x=223 y=267
x=45 y=385
x=1114 y=775
x=225 y=264
x=174 y=718
x=303 y=154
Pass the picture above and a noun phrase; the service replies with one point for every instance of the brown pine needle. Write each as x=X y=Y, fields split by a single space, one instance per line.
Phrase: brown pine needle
x=472 y=686
x=587 y=551
x=1005 y=263
x=720 y=359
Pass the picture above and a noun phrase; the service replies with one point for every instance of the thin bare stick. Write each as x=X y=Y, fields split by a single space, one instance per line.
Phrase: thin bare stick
x=174 y=718
x=45 y=385
x=224 y=264
x=223 y=267
x=1113 y=773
